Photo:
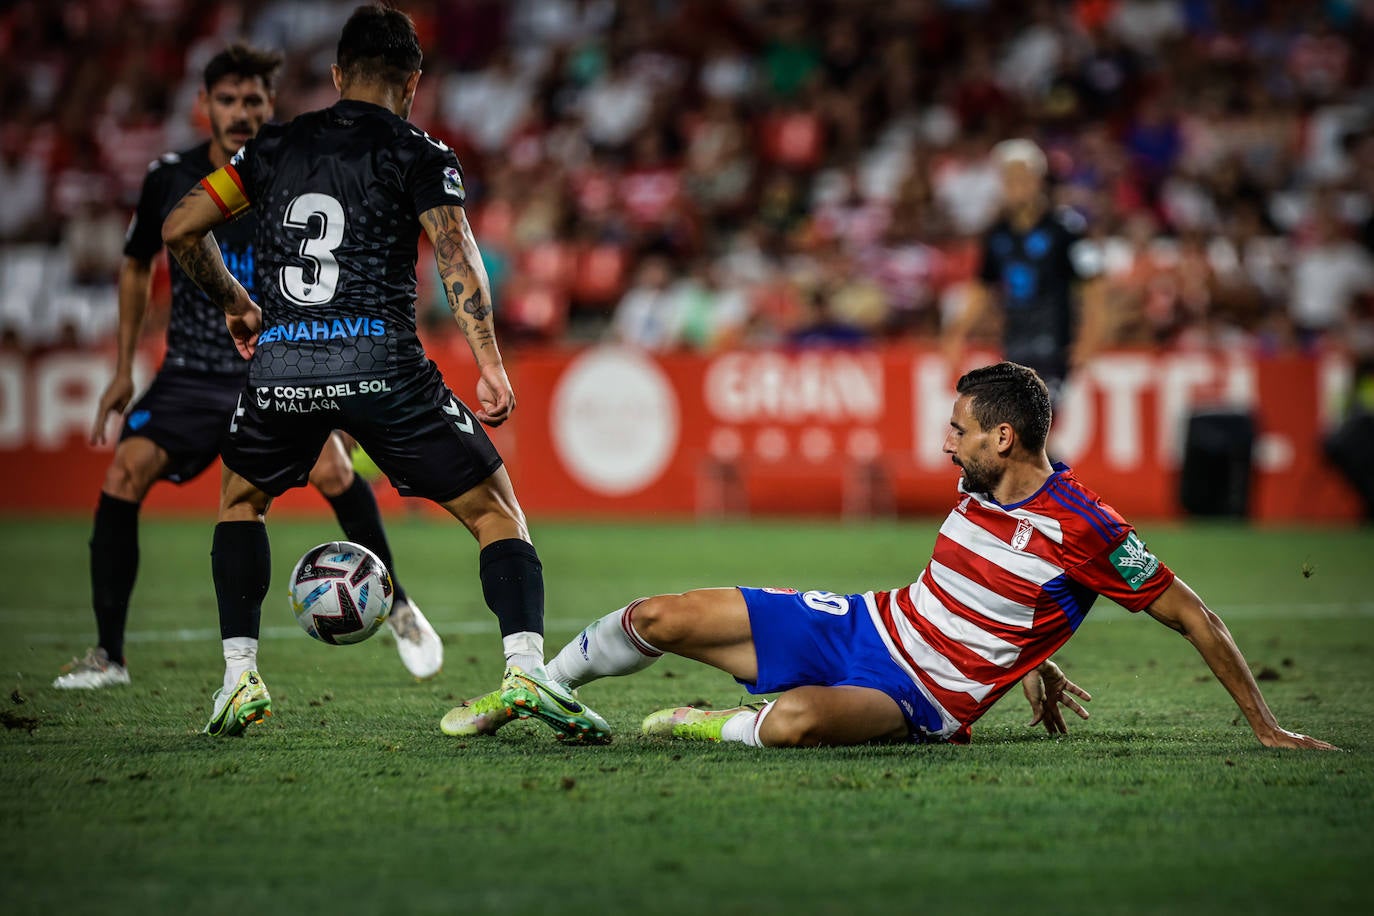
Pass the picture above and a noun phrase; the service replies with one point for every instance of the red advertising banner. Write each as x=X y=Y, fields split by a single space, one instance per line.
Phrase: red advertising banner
x=616 y=432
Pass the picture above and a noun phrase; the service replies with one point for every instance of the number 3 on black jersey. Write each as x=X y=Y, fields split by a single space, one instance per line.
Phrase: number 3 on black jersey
x=317 y=250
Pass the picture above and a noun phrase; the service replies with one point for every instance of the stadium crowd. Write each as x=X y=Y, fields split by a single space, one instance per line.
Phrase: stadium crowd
x=698 y=173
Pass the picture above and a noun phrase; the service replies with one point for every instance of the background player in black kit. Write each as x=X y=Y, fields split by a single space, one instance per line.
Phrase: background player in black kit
x=341 y=195
x=174 y=431
x=1034 y=261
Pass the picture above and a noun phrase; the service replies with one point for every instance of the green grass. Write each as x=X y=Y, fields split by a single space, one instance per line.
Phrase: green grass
x=350 y=800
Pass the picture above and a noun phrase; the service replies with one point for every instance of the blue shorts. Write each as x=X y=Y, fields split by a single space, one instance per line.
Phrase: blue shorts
x=820 y=639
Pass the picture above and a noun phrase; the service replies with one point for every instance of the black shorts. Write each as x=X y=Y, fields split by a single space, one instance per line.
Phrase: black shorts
x=186 y=413
x=426 y=441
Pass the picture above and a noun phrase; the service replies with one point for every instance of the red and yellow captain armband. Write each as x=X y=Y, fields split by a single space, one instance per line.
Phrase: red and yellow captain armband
x=225 y=188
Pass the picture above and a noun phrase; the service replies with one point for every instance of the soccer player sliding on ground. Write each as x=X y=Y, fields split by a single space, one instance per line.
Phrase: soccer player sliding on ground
x=1016 y=567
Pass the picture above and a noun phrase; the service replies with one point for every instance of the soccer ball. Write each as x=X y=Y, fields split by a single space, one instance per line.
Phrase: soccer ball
x=340 y=593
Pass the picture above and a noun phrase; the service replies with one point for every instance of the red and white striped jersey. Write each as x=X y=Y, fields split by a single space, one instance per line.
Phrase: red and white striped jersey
x=1005 y=588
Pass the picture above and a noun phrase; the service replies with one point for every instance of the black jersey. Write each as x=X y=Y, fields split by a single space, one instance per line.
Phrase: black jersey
x=197 y=338
x=1036 y=272
x=337 y=194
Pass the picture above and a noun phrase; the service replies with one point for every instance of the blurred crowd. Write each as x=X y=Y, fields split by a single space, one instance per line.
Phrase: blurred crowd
x=693 y=174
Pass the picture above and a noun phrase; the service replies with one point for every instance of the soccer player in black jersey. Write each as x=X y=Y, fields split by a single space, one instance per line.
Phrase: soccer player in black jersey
x=341 y=196
x=175 y=430
x=1034 y=260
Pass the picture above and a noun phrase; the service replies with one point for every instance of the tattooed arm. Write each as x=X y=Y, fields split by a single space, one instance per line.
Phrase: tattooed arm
x=469 y=298
x=187 y=234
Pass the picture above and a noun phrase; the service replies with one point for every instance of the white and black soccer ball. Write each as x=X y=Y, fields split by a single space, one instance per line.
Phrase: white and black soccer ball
x=341 y=592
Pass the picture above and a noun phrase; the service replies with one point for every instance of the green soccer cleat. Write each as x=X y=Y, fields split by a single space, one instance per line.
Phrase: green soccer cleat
x=248 y=703
x=553 y=704
x=478 y=716
x=691 y=724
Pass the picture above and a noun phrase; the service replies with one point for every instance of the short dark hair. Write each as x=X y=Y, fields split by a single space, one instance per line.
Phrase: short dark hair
x=244 y=62
x=378 y=44
x=1010 y=393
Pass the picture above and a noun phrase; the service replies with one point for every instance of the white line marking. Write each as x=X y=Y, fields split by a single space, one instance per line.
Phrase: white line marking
x=456 y=627
x=81 y=622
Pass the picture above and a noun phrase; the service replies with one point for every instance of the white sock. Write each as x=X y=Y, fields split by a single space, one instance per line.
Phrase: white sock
x=525 y=650
x=240 y=654
x=608 y=647
x=744 y=726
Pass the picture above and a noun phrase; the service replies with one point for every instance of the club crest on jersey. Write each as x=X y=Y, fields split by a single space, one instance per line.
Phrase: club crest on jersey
x=1022 y=537
x=453 y=182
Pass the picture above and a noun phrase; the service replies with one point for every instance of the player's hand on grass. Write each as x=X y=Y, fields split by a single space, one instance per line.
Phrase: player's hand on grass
x=244 y=327
x=1046 y=689
x=117 y=396
x=495 y=395
x=1282 y=737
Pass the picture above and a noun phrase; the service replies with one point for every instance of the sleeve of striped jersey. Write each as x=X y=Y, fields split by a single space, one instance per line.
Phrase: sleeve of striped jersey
x=226 y=189
x=1126 y=572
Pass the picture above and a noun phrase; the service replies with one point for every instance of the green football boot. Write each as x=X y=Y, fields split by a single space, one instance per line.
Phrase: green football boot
x=540 y=697
x=691 y=724
x=478 y=716
x=248 y=703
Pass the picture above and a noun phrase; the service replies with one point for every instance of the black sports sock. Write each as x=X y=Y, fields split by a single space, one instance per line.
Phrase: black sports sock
x=114 y=567
x=241 y=562
x=513 y=584
x=361 y=521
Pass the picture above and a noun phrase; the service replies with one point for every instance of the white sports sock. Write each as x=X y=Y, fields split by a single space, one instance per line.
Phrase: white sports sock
x=744 y=726
x=525 y=650
x=608 y=647
x=240 y=654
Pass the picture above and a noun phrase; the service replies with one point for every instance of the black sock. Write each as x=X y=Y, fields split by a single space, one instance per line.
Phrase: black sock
x=361 y=521
x=241 y=562
x=114 y=567
x=513 y=584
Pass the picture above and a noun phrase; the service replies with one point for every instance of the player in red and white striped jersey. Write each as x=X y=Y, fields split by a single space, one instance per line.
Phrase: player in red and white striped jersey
x=1016 y=567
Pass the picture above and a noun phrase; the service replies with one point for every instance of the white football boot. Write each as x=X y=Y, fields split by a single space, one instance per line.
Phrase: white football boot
x=92 y=672
x=422 y=652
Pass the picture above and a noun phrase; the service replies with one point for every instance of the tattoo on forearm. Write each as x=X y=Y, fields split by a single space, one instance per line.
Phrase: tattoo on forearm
x=475 y=307
x=460 y=265
x=204 y=264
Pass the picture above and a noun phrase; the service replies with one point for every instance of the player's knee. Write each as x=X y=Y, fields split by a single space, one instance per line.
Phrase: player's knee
x=792 y=722
x=332 y=474
x=664 y=621
x=125 y=480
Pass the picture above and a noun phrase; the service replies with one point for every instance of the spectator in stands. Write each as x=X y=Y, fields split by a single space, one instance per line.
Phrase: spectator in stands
x=1330 y=271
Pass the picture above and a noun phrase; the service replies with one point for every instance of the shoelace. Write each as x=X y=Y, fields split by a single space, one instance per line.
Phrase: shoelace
x=404 y=626
x=90 y=662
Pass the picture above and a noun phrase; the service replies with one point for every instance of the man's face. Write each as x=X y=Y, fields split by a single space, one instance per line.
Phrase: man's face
x=1020 y=185
x=972 y=448
x=237 y=106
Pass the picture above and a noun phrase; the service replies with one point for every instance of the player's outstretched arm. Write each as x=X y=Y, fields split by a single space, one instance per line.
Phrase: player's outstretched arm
x=1180 y=608
x=135 y=280
x=469 y=298
x=187 y=234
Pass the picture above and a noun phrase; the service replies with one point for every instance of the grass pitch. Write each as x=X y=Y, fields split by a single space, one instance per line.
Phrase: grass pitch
x=350 y=800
